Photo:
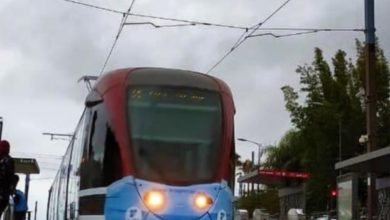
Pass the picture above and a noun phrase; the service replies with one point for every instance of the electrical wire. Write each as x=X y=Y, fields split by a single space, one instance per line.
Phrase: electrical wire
x=188 y=21
x=123 y=21
x=247 y=29
x=256 y=27
x=307 y=31
x=205 y=23
x=49 y=164
x=158 y=26
x=42 y=178
x=312 y=29
x=240 y=40
x=49 y=168
x=245 y=35
x=243 y=39
x=46 y=156
x=282 y=35
x=95 y=7
x=193 y=23
x=157 y=17
x=303 y=31
x=272 y=14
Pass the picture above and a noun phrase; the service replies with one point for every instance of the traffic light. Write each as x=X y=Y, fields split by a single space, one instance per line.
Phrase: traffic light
x=333 y=193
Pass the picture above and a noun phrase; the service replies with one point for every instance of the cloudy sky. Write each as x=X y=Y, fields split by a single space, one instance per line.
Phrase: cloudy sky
x=47 y=45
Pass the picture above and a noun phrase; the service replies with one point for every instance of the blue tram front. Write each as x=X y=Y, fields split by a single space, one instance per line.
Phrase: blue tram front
x=151 y=144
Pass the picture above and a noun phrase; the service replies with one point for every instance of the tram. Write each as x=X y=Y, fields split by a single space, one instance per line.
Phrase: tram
x=152 y=143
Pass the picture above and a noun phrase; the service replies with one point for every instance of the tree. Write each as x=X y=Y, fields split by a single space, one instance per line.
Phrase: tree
x=332 y=114
x=247 y=166
x=238 y=160
x=286 y=156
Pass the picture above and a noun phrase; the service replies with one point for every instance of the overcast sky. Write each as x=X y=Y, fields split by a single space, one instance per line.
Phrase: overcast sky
x=47 y=45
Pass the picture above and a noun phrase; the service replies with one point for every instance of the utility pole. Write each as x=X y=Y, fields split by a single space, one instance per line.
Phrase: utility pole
x=1 y=126
x=253 y=159
x=35 y=210
x=27 y=186
x=370 y=102
x=340 y=142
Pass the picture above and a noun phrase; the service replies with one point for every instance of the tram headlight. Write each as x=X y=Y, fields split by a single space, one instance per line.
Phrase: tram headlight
x=202 y=201
x=155 y=200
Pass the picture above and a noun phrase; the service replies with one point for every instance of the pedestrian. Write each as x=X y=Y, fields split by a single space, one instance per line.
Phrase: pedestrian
x=7 y=172
x=20 y=203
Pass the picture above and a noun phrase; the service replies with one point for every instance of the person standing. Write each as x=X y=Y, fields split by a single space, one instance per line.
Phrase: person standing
x=20 y=202
x=7 y=172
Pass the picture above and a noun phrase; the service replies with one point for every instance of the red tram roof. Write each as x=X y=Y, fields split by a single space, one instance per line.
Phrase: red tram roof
x=178 y=77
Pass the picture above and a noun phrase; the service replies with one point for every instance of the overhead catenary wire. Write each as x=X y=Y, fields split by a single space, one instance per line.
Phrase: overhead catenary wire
x=49 y=163
x=42 y=178
x=188 y=21
x=95 y=6
x=158 y=26
x=192 y=22
x=312 y=29
x=257 y=26
x=235 y=45
x=49 y=169
x=303 y=31
x=282 y=35
x=123 y=21
x=155 y=25
x=39 y=155
x=248 y=31
x=242 y=39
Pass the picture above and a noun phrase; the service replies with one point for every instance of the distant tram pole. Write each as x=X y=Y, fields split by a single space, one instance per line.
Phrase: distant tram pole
x=371 y=100
x=27 y=186
x=1 y=126
x=35 y=210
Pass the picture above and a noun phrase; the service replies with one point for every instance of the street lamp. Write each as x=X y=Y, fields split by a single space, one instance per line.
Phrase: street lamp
x=260 y=152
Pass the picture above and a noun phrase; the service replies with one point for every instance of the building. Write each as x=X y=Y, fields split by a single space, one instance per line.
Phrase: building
x=376 y=162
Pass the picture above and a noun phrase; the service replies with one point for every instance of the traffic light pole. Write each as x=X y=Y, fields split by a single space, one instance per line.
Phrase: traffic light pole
x=371 y=100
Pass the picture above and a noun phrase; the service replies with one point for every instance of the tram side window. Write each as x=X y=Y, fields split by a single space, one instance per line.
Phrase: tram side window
x=101 y=160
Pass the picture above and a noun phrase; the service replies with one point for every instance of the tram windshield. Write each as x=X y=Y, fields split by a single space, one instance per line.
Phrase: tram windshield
x=175 y=133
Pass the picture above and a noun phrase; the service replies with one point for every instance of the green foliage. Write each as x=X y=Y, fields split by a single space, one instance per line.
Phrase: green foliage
x=238 y=161
x=246 y=167
x=281 y=157
x=332 y=115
